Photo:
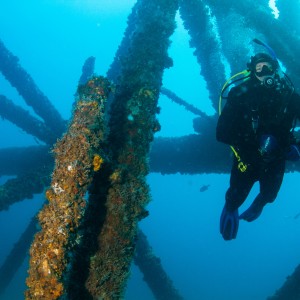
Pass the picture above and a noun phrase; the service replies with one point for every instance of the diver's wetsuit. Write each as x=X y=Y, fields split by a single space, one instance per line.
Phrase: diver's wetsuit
x=253 y=110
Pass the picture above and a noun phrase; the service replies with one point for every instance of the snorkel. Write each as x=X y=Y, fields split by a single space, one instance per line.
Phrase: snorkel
x=285 y=80
x=270 y=50
x=270 y=80
x=246 y=74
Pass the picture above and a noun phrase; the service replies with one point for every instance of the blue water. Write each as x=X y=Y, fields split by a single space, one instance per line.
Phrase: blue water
x=52 y=40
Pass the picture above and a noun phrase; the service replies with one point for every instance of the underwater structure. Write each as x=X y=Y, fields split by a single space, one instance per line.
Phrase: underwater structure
x=114 y=118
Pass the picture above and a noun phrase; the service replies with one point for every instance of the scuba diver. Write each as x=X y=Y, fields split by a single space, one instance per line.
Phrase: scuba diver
x=257 y=121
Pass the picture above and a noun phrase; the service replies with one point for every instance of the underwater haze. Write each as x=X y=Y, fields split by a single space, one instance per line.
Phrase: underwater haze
x=52 y=39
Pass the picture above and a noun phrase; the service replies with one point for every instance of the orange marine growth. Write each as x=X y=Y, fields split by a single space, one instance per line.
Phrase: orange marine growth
x=97 y=162
x=61 y=216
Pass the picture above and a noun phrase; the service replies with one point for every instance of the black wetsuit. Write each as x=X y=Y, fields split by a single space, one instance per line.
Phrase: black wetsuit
x=253 y=110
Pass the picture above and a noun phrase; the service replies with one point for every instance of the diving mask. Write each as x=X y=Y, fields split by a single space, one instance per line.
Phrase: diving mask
x=264 y=69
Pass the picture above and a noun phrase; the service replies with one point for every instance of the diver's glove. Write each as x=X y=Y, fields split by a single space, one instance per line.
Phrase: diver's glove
x=229 y=224
x=268 y=148
x=253 y=212
x=293 y=153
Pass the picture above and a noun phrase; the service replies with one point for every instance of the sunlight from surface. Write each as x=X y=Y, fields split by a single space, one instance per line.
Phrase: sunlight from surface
x=275 y=12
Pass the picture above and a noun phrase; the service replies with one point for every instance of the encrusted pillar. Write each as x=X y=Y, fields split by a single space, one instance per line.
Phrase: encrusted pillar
x=77 y=157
